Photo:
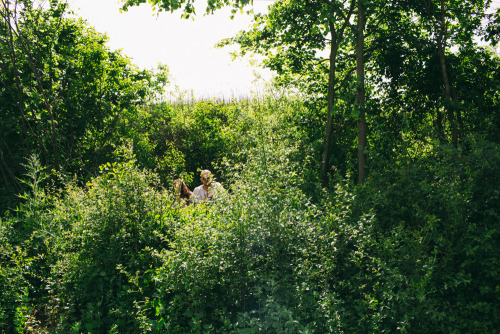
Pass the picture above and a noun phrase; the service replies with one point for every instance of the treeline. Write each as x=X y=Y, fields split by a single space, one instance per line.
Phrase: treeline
x=90 y=237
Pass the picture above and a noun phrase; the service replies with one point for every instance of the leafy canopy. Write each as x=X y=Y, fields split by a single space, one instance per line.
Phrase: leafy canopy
x=187 y=6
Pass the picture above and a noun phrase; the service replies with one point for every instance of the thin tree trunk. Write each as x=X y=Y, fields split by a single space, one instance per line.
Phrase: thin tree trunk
x=327 y=153
x=460 y=122
x=337 y=37
x=360 y=99
x=7 y=16
x=450 y=103
x=439 y=124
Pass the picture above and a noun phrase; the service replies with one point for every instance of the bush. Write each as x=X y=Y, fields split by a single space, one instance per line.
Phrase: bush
x=109 y=227
x=266 y=259
x=446 y=199
x=413 y=249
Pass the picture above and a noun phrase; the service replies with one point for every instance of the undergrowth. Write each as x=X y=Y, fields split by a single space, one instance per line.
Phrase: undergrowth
x=412 y=250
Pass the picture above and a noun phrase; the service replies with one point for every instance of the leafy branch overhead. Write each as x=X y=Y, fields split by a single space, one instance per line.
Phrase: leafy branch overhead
x=187 y=7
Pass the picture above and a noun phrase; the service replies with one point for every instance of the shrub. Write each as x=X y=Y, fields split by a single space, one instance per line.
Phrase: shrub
x=446 y=199
x=413 y=249
x=106 y=232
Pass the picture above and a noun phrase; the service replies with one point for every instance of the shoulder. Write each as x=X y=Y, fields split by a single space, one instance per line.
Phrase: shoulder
x=217 y=185
x=216 y=188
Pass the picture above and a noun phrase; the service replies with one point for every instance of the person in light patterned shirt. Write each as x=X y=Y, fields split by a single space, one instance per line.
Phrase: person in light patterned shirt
x=207 y=190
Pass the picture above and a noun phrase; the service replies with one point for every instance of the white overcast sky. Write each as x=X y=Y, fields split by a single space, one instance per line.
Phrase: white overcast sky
x=185 y=46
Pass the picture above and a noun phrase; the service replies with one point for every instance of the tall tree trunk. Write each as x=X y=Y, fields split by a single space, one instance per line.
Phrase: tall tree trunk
x=337 y=38
x=450 y=102
x=360 y=98
x=327 y=152
x=439 y=124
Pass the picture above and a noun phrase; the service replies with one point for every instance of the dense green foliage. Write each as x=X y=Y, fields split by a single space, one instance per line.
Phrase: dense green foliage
x=63 y=93
x=413 y=249
x=93 y=240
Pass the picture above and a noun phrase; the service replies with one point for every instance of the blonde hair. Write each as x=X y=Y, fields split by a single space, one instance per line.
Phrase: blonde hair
x=204 y=172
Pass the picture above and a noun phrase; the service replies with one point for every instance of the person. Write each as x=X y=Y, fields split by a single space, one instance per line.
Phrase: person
x=207 y=190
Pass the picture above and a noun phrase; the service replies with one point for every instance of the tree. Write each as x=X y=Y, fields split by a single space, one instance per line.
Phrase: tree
x=294 y=37
x=360 y=99
x=64 y=91
x=291 y=45
x=422 y=51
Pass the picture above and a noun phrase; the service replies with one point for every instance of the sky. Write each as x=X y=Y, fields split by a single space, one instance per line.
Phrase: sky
x=185 y=46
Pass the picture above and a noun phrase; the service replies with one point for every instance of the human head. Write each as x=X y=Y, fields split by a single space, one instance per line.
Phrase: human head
x=206 y=177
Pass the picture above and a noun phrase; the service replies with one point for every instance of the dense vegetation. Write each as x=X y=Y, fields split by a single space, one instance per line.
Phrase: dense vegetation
x=92 y=239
